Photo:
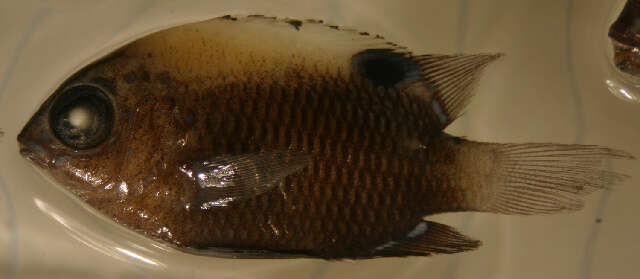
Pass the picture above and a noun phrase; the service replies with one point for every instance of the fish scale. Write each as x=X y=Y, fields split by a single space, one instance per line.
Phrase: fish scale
x=326 y=196
x=257 y=137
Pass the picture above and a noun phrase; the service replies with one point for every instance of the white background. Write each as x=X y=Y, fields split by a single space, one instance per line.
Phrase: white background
x=549 y=87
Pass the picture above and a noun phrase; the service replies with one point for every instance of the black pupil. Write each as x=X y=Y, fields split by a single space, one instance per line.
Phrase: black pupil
x=82 y=117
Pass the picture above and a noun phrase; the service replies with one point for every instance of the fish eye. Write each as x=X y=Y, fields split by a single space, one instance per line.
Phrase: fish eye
x=82 y=117
x=385 y=68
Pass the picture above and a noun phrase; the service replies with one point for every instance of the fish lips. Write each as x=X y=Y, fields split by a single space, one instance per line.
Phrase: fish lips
x=35 y=152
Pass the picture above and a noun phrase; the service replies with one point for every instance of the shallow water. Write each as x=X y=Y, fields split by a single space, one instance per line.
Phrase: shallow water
x=551 y=86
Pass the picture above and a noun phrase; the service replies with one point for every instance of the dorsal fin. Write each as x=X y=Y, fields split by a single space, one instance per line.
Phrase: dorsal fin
x=452 y=77
x=444 y=81
x=426 y=239
x=319 y=32
x=238 y=43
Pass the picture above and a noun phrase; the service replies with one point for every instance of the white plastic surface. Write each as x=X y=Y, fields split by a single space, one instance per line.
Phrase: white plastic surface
x=550 y=86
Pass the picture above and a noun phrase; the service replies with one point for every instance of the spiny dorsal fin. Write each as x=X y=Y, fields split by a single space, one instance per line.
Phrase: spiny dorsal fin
x=452 y=77
x=426 y=239
x=228 y=178
x=322 y=31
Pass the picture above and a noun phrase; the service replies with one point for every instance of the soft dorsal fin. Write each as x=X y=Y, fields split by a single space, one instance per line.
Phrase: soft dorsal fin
x=452 y=77
x=428 y=238
x=228 y=178
x=444 y=81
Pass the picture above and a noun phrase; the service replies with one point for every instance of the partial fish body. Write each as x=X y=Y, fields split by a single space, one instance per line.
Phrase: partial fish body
x=261 y=137
x=624 y=34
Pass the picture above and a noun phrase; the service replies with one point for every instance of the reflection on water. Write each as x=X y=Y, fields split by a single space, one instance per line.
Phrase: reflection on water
x=8 y=234
x=618 y=89
x=100 y=243
x=136 y=256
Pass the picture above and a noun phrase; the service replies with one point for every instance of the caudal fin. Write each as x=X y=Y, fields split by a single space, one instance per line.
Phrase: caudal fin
x=537 y=178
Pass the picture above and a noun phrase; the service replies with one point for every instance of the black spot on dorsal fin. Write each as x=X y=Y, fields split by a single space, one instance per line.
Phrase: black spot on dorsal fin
x=385 y=67
x=364 y=33
x=295 y=23
x=320 y=21
x=336 y=27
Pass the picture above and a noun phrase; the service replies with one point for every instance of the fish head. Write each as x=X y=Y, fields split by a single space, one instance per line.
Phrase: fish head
x=74 y=125
x=114 y=137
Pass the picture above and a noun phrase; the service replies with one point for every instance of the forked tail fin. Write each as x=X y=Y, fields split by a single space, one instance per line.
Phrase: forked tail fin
x=534 y=178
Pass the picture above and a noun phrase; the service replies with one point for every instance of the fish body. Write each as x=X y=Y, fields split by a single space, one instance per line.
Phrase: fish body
x=625 y=41
x=263 y=137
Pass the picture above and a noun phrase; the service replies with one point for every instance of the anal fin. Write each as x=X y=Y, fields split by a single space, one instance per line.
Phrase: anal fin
x=426 y=239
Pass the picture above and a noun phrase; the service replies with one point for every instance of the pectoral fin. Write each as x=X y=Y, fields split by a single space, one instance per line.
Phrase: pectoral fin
x=426 y=239
x=228 y=178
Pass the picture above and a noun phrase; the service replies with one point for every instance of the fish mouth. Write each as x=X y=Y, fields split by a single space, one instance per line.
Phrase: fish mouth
x=26 y=152
x=33 y=153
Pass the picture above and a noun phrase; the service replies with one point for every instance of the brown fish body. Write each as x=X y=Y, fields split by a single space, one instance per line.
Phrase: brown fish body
x=370 y=156
x=624 y=33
